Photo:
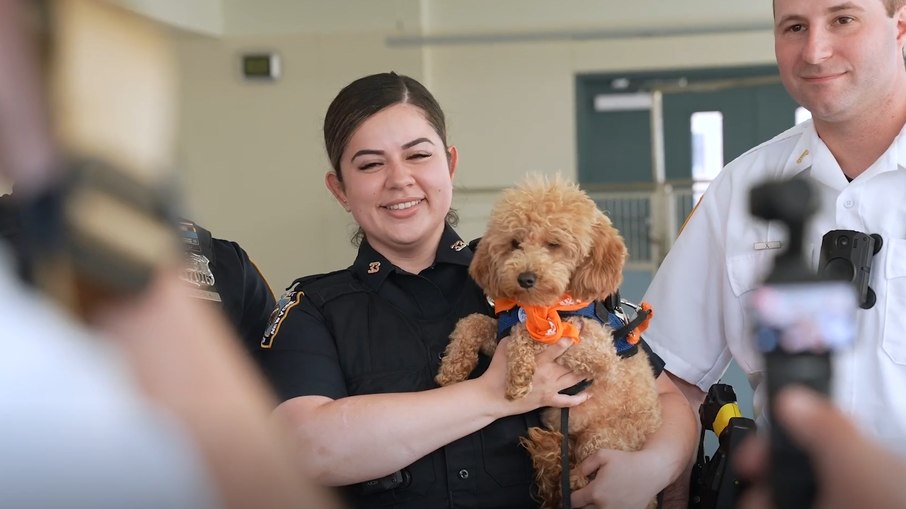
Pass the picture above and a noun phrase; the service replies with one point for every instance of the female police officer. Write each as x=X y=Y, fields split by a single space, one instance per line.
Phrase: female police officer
x=353 y=353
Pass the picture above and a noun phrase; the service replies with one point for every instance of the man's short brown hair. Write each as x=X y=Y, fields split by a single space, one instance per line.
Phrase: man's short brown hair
x=893 y=6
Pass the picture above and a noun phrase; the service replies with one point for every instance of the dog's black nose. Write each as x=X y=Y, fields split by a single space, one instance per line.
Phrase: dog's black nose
x=526 y=279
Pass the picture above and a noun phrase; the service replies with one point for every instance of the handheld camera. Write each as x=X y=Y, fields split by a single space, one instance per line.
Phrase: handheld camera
x=798 y=319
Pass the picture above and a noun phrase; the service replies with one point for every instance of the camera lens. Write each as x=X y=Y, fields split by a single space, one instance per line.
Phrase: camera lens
x=839 y=268
x=842 y=241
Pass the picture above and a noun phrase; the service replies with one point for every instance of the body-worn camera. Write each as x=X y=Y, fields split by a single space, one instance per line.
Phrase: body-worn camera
x=846 y=255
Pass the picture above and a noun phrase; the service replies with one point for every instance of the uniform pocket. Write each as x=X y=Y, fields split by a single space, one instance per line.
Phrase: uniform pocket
x=894 y=337
x=746 y=272
x=505 y=460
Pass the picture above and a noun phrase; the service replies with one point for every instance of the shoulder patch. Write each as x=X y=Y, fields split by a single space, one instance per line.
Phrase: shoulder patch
x=287 y=301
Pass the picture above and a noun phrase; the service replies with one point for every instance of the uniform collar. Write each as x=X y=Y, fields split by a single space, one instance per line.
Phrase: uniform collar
x=452 y=249
x=894 y=158
x=900 y=143
x=373 y=268
x=803 y=153
x=810 y=152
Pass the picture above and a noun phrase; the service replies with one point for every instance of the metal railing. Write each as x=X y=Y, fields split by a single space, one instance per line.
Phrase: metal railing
x=647 y=215
x=649 y=218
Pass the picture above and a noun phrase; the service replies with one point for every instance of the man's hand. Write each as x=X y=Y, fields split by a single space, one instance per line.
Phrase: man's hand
x=852 y=470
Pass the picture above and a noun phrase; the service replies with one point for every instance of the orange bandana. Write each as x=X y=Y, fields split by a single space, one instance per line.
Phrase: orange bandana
x=543 y=322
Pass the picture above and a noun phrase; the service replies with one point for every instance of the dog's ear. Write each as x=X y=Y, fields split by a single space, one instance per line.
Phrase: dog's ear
x=601 y=273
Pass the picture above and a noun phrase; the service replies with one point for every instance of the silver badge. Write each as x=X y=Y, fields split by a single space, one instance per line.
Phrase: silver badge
x=197 y=273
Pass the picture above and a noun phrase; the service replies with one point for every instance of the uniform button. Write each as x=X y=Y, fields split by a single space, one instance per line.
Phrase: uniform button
x=849 y=204
x=463 y=474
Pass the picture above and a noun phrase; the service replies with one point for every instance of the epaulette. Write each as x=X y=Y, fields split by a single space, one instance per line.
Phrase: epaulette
x=322 y=288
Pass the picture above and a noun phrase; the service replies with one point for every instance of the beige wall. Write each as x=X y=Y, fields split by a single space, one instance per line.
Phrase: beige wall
x=252 y=152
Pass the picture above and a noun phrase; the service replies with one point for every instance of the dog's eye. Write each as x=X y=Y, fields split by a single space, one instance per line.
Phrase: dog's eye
x=553 y=245
x=515 y=244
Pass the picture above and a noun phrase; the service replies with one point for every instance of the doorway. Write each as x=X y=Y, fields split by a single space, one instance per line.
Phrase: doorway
x=649 y=143
x=707 y=118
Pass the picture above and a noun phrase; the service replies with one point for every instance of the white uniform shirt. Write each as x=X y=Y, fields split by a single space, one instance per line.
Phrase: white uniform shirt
x=699 y=293
x=75 y=431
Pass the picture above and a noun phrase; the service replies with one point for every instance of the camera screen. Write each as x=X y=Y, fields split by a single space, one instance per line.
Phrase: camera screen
x=801 y=318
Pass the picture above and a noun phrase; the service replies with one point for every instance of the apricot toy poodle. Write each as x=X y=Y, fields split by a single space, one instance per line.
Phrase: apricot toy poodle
x=548 y=248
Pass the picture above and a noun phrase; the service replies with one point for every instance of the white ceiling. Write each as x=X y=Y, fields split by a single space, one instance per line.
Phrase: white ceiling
x=456 y=20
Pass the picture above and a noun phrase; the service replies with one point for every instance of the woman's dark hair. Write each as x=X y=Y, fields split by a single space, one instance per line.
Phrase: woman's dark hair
x=364 y=97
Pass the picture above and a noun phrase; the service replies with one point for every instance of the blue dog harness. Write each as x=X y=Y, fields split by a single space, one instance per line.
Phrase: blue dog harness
x=614 y=318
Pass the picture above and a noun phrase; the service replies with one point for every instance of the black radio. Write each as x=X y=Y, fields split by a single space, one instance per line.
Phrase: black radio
x=715 y=484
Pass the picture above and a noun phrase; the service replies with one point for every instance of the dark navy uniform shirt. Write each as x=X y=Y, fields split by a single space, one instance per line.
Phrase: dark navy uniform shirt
x=9 y=224
x=375 y=328
x=10 y=232
x=236 y=283
x=247 y=299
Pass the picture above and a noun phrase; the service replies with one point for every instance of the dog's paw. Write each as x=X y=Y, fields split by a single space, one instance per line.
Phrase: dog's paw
x=452 y=369
x=577 y=481
x=444 y=380
x=514 y=392
x=448 y=374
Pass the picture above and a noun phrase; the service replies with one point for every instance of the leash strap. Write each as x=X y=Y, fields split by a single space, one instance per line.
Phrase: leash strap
x=643 y=313
x=564 y=458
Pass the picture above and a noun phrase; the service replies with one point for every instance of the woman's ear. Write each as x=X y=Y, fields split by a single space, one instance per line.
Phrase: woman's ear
x=452 y=159
x=336 y=188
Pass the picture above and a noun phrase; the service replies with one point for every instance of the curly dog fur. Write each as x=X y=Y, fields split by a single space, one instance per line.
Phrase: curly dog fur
x=552 y=230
